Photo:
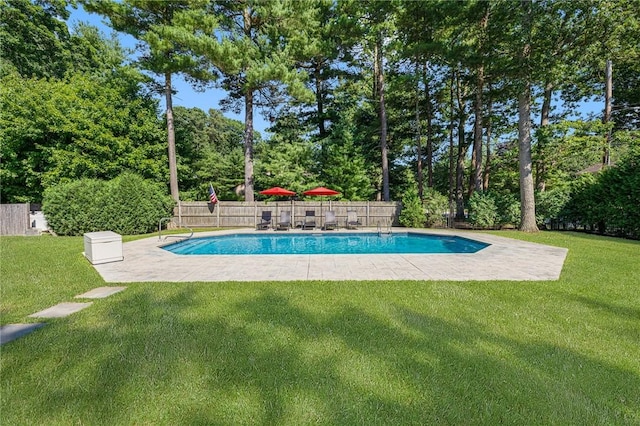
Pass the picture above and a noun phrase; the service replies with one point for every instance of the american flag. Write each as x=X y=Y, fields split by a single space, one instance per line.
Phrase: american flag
x=213 y=199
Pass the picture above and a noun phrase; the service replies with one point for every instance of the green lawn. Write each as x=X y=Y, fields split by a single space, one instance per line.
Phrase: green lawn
x=393 y=352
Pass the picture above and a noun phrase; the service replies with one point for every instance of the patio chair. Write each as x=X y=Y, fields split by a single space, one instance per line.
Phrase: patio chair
x=330 y=221
x=352 y=220
x=309 y=220
x=265 y=221
x=285 y=221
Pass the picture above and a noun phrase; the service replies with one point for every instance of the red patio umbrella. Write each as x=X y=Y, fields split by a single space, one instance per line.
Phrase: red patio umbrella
x=277 y=192
x=321 y=191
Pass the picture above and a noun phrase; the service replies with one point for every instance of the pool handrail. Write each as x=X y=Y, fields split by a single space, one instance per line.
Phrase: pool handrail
x=171 y=236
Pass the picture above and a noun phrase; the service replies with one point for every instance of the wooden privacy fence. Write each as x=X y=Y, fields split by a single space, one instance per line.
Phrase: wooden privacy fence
x=14 y=219
x=199 y=214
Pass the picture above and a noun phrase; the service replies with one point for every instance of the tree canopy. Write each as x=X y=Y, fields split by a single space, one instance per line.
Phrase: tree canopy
x=472 y=96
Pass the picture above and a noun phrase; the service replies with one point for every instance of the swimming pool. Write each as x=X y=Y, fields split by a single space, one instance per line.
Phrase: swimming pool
x=325 y=243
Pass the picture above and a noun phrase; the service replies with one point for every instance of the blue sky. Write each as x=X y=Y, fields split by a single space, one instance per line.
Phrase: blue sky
x=186 y=96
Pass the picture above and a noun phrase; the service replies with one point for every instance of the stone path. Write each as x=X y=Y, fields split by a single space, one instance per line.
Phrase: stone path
x=61 y=310
x=11 y=332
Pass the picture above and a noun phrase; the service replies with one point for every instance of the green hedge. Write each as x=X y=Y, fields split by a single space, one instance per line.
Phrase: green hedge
x=127 y=205
x=610 y=201
x=483 y=211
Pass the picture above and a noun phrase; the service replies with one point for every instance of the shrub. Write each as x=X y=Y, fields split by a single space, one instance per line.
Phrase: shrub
x=74 y=208
x=127 y=205
x=608 y=201
x=550 y=204
x=483 y=212
x=135 y=205
x=508 y=207
x=435 y=205
x=412 y=214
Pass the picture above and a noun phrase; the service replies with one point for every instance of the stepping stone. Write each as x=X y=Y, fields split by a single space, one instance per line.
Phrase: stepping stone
x=61 y=310
x=11 y=332
x=100 y=293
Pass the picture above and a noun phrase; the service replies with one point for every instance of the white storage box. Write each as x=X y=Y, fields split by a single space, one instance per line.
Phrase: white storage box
x=103 y=247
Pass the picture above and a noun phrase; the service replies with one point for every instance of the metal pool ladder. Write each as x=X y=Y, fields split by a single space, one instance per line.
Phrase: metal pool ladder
x=164 y=219
x=382 y=231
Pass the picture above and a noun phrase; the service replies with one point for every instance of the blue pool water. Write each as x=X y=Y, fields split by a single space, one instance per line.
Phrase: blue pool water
x=325 y=243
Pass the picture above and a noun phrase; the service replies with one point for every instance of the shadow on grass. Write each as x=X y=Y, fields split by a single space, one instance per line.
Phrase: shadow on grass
x=197 y=354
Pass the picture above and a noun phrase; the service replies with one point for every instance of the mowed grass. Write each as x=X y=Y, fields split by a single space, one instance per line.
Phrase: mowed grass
x=393 y=352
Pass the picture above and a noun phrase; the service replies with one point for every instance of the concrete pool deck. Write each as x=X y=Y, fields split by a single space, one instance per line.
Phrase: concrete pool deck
x=505 y=259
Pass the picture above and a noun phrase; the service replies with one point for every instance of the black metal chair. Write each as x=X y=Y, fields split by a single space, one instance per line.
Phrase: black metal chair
x=284 y=224
x=265 y=221
x=309 y=220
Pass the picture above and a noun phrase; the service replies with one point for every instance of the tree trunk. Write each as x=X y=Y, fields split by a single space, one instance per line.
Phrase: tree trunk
x=546 y=104
x=451 y=170
x=427 y=92
x=419 y=141
x=606 y=157
x=487 y=163
x=476 y=171
x=248 y=124
x=248 y=146
x=171 y=140
x=462 y=151
x=527 y=200
x=320 y=101
x=477 y=132
x=541 y=183
x=382 y=114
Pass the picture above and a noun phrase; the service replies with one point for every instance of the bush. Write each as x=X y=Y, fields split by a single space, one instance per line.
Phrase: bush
x=127 y=205
x=508 y=207
x=435 y=205
x=74 y=208
x=412 y=214
x=550 y=204
x=483 y=212
x=608 y=202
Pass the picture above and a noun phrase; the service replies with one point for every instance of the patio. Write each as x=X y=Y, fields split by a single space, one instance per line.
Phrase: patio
x=505 y=259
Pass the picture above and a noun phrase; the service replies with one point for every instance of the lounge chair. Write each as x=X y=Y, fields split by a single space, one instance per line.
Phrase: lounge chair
x=330 y=221
x=309 y=220
x=265 y=221
x=285 y=221
x=352 y=220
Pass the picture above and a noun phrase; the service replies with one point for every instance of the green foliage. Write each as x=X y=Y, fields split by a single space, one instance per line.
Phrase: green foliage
x=209 y=150
x=75 y=207
x=579 y=207
x=483 y=211
x=133 y=205
x=286 y=159
x=508 y=206
x=412 y=214
x=549 y=204
x=435 y=205
x=128 y=205
x=608 y=202
x=35 y=38
x=345 y=165
x=56 y=131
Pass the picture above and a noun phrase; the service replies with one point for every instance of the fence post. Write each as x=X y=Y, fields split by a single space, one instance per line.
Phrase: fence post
x=368 y=213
